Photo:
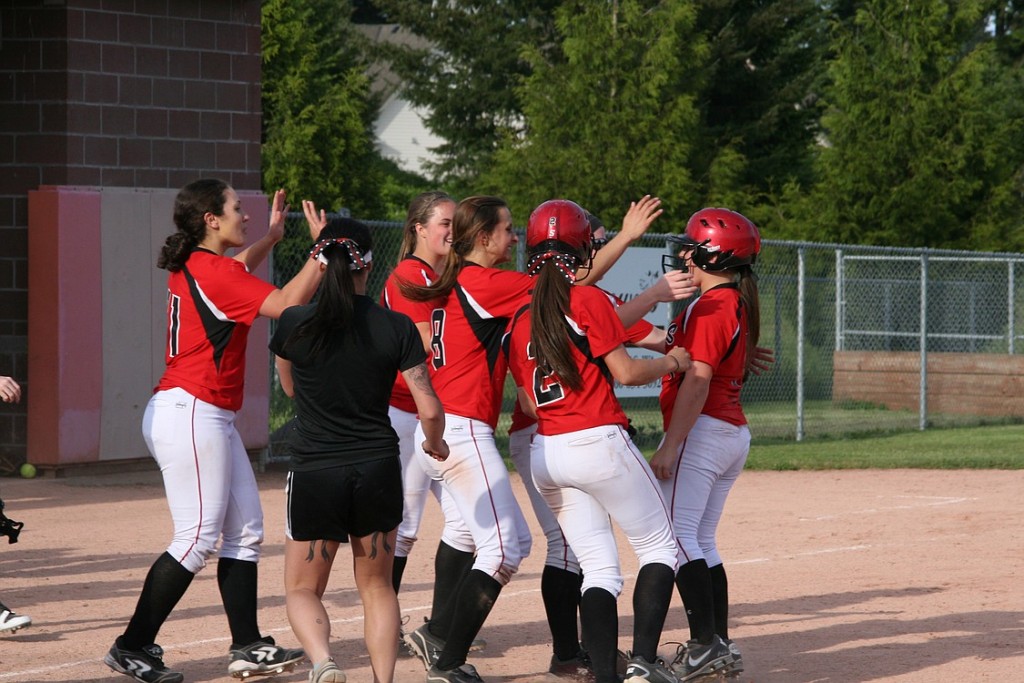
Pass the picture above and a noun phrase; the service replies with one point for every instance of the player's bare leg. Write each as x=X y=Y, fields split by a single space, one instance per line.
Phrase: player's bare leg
x=307 y=569
x=372 y=558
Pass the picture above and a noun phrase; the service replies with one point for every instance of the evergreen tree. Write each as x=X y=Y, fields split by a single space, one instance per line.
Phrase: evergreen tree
x=462 y=73
x=760 y=105
x=317 y=108
x=921 y=114
x=609 y=115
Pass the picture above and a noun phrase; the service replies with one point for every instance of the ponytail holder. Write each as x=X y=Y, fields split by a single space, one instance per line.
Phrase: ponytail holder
x=357 y=259
x=565 y=263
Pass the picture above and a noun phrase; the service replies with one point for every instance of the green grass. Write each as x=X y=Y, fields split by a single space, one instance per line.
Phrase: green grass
x=983 y=447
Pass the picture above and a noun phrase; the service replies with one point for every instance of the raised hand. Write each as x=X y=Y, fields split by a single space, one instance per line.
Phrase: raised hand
x=316 y=221
x=278 y=213
x=640 y=216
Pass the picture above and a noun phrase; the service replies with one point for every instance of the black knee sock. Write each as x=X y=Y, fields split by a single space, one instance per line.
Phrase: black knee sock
x=651 y=599
x=165 y=583
x=237 y=582
x=560 y=590
x=720 y=596
x=473 y=603
x=450 y=569
x=694 y=583
x=600 y=616
x=397 y=570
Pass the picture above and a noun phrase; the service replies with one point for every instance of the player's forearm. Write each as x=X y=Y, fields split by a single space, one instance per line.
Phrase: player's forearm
x=284 y=376
x=253 y=255
x=639 y=371
x=299 y=290
x=604 y=260
x=636 y=308
x=685 y=411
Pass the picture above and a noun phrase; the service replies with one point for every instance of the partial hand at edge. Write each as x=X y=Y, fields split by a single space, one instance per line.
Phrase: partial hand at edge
x=439 y=453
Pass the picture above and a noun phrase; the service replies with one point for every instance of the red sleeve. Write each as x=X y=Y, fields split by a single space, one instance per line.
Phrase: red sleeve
x=708 y=332
x=597 y=317
x=416 y=272
x=237 y=293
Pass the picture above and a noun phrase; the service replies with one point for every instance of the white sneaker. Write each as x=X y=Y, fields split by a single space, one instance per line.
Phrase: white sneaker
x=11 y=622
x=326 y=672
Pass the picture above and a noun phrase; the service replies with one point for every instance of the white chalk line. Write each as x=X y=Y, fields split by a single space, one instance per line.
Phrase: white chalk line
x=928 y=501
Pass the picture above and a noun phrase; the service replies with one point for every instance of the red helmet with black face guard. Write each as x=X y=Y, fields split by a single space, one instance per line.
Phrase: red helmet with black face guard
x=720 y=239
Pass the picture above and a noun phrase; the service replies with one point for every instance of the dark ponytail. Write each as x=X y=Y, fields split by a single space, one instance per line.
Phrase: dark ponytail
x=750 y=298
x=550 y=307
x=191 y=205
x=335 y=306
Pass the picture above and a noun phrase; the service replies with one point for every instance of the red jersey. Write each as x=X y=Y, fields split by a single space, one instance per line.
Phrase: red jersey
x=211 y=304
x=635 y=333
x=469 y=367
x=416 y=271
x=714 y=330
x=594 y=329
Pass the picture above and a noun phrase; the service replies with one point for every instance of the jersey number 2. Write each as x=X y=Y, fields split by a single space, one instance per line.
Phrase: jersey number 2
x=546 y=389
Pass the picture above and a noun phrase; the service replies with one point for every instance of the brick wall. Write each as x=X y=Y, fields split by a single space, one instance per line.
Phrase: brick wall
x=114 y=93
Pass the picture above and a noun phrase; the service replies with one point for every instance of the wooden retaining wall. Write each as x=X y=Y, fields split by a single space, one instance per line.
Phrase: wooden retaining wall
x=961 y=383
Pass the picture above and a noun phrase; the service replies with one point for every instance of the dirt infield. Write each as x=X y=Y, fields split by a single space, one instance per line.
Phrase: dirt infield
x=835 y=576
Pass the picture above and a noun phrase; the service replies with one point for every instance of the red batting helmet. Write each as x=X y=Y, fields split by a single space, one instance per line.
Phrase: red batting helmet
x=558 y=225
x=720 y=239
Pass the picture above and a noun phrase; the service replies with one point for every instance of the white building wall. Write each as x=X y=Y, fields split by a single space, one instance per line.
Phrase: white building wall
x=402 y=136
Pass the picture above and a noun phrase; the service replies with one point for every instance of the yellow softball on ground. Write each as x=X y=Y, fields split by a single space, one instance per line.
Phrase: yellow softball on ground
x=28 y=470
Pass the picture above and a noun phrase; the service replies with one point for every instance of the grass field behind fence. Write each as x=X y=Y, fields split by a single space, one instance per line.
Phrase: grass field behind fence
x=836 y=436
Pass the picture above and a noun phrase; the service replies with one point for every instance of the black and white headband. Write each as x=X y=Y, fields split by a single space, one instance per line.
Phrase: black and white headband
x=357 y=259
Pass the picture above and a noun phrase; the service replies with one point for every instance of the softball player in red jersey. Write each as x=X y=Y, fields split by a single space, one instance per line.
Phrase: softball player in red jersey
x=426 y=241
x=706 y=437
x=564 y=354
x=189 y=428
x=560 y=579
x=468 y=378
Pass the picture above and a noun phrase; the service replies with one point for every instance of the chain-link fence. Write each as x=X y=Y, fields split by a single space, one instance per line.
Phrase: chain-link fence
x=858 y=335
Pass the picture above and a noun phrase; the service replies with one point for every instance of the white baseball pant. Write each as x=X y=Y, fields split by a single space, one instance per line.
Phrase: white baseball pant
x=559 y=554
x=210 y=486
x=709 y=462
x=591 y=477
x=476 y=481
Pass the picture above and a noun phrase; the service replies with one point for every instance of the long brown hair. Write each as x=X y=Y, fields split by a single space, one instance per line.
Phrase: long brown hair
x=751 y=300
x=421 y=208
x=473 y=216
x=549 y=336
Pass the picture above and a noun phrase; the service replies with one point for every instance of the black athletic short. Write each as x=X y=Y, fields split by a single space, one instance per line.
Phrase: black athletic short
x=331 y=504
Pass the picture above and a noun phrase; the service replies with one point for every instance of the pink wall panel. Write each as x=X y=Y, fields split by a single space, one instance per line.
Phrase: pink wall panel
x=65 y=326
x=67 y=307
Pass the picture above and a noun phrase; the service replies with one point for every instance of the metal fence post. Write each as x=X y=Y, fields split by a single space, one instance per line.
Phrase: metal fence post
x=801 y=287
x=1011 y=313
x=923 y=409
x=840 y=298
